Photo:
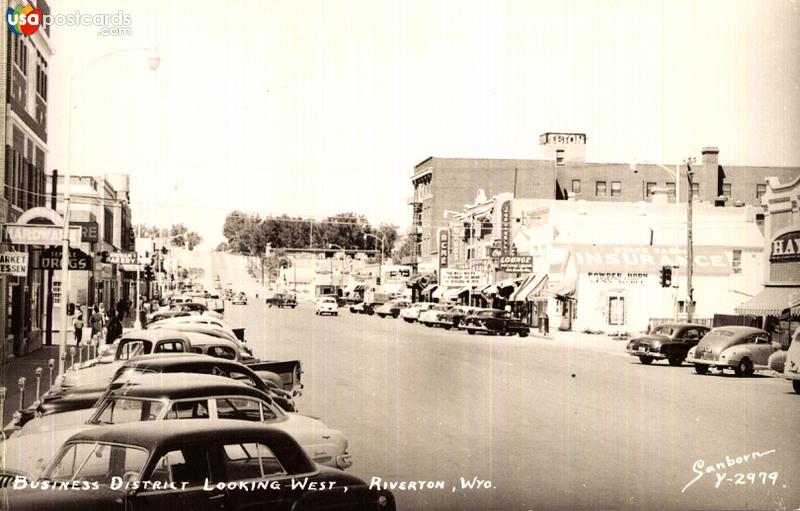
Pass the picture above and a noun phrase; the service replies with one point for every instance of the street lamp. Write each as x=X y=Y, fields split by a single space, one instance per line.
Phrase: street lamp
x=154 y=60
x=341 y=277
x=380 y=264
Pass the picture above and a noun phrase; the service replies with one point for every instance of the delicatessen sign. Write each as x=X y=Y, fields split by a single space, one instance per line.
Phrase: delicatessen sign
x=14 y=263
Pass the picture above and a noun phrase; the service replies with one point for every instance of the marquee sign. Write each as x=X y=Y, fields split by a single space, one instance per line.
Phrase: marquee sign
x=785 y=247
x=36 y=234
x=460 y=278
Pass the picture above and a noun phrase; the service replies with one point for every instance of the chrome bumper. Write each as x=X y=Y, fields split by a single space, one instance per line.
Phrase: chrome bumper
x=637 y=353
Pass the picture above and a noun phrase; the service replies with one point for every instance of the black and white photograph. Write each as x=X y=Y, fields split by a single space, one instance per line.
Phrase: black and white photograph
x=465 y=255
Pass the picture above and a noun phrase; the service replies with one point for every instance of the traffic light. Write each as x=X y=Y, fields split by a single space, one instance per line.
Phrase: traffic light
x=666 y=276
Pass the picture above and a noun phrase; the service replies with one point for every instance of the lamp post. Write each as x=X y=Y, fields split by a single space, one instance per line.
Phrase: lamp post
x=153 y=61
x=341 y=277
x=689 y=245
x=380 y=264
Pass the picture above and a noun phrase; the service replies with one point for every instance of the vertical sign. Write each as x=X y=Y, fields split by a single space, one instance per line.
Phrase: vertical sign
x=444 y=248
x=505 y=227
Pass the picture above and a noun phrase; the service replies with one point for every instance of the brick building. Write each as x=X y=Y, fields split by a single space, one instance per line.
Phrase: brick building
x=26 y=65
x=447 y=184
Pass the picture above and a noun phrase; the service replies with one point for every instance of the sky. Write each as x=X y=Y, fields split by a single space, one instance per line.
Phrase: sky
x=312 y=108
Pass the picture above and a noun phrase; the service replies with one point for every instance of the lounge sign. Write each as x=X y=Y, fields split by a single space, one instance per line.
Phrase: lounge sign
x=516 y=264
x=785 y=247
x=14 y=263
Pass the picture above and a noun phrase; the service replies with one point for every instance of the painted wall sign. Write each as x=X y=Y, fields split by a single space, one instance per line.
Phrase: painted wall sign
x=648 y=259
x=89 y=231
x=618 y=278
x=14 y=263
x=785 y=247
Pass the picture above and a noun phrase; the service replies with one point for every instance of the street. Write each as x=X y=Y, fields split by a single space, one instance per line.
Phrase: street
x=544 y=425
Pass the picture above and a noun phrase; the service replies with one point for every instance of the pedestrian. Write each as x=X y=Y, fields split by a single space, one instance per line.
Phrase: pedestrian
x=122 y=307
x=546 y=321
x=97 y=321
x=114 y=329
x=77 y=325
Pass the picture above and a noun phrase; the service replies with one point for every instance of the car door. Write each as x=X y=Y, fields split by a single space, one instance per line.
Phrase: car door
x=761 y=349
x=184 y=473
x=268 y=485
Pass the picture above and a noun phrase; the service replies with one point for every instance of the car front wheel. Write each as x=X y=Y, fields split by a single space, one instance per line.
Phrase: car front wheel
x=646 y=360
x=470 y=331
x=701 y=368
x=744 y=368
x=675 y=361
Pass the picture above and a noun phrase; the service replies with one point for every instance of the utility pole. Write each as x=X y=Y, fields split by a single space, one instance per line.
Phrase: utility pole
x=49 y=311
x=689 y=248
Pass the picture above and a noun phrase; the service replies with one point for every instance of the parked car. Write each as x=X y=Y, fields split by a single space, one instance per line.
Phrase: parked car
x=791 y=368
x=239 y=299
x=282 y=300
x=411 y=314
x=430 y=316
x=167 y=314
x=282 y=380
x=392 y=308
x=447 y=319
x=777 y=361
x=670 y=341
x=326 y=305
x=493 y=321
x=741 y=348
x=149 y=397
x=184 y=456
x=208 y=326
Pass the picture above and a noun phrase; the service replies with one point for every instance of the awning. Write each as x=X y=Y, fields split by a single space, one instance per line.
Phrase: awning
x=452 y=293
x=437 y=295
x=506 y=287
x=429 y=289
x=484 y=289
x=772 y=301
x=532 y=286
x=420 y=281
x=564 y=288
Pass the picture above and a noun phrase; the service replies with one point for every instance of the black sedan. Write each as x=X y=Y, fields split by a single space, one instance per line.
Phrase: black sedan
x=169 y=465
x=670 y=341
x=494 y=322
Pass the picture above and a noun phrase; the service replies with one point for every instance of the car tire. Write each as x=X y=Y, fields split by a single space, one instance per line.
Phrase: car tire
x=701 y=368
x=408 y=320
x=470 y=331
x=523 y=334
x=796 y=385
x=395 y=315
x=646 y=360
x=675 y=361
x=744 y=368
x=448 y=327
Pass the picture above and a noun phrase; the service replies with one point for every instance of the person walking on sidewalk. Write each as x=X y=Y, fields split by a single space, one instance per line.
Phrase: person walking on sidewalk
x=77 y=325
x=97 y=321
x=114 y=328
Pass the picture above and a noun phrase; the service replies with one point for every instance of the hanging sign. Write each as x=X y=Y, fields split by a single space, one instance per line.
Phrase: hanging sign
x=14 y=263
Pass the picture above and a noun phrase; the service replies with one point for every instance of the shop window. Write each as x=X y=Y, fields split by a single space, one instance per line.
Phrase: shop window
x=616 y=188
x=671 y=188
x=682 y=306
x=760 y=190
x=616 y=310
x=559 y=157
x=736 y=263
x=576 y=186
x=649 y=188
x=600 y=188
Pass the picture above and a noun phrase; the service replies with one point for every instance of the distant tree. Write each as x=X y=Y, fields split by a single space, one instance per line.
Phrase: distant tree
x=222 y=247
x=181 y=236
x=404 y=249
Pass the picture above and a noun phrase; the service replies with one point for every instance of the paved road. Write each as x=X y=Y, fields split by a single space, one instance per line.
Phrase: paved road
x=550 y=427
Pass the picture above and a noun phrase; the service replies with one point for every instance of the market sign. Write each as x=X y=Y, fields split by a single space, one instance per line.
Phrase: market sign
x=50 y=259
x=648 y=259
x=460 y=278
x=14 y=263
x=36 y=234
x=516 y=264
x=444 y=248
x=122 y=258
x=505 y=227
x=785 y=247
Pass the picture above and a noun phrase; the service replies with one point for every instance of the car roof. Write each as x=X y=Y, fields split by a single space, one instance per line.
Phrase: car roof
x=201 y=339
x=153 y=335
x=182 y=359
x=184 y=386
x=681 y=325
x=740 y=330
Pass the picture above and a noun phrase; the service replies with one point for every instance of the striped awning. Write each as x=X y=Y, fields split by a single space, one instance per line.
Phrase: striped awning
x=564 y=288
x=452 y=293
x=772 y=301
x=531 y=287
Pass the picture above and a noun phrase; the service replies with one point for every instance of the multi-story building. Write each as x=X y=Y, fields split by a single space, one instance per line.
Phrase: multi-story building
x=447 y=184
x=26 y=65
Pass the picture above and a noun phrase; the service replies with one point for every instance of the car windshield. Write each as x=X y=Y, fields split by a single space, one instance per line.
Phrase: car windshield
x=97 y=462
x=328 y=300
x=664 y=330
x=124 y=410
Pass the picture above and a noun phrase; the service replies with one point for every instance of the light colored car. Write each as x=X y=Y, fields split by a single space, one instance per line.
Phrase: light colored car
x=326 y=305
x=152 y=397
x=741 y=348
x=392 y=308
x=239 y=299
x=411 y=314
x=431 y=316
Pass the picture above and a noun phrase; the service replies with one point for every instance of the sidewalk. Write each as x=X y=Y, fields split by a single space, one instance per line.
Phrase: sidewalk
x=581 y=340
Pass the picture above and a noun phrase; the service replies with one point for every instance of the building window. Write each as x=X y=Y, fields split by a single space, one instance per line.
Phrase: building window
x=616 y=188
x=559 y=157
x=649 y=188
x=736 y=263
x=671 y=188
x=600 y=188
x=576 y=186
x=695 y=191
x=726 y=189
x=760 y=190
